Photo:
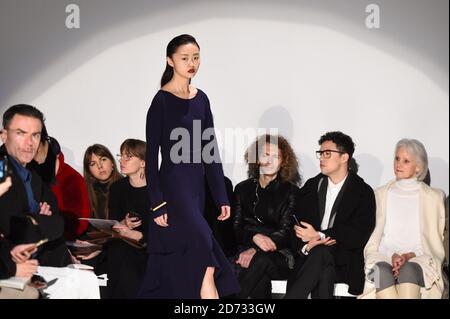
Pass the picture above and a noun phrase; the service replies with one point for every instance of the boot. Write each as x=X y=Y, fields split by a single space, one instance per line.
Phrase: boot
x=408 y=291
x=387 y=293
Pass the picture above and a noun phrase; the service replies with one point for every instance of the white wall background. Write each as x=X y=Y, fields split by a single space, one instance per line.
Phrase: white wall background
x=304 y=67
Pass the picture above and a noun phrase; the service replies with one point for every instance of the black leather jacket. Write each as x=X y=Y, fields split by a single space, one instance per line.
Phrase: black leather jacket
x=276 y=222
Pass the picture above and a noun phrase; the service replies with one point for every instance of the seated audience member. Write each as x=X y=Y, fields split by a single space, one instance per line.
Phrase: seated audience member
x=66 y=183
x=336 y=215
x=100 y=171
x=29 y=205
x=223 y=230
x=129 y=203
x=404 y=254
x=63 y=282
x=15 y=261
x=263 y=210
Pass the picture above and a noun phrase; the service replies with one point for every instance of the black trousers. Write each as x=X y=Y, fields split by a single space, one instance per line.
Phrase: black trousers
x=255 y=280
x=315 y=274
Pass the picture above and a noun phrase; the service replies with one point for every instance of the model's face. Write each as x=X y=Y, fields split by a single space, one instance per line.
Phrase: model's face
x=331 y=162
x=101 y=167
x=405 y=165
x=185 y=61
x=130 y=165
x=270 y=160
x=22 y=138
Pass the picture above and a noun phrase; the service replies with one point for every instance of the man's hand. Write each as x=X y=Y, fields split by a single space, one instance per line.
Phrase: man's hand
x=246 y=257
x=45 y=209
x=5 y=185
x=264 y=242
x=22 y=253
x=306 y=233
x=327 y=241
x=225 y=212
x=27 y=268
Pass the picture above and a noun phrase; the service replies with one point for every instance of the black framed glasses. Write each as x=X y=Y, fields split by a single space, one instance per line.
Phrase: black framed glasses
x=326 y=153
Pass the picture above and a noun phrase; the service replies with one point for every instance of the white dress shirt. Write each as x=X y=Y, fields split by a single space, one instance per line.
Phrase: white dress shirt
x=332 y=193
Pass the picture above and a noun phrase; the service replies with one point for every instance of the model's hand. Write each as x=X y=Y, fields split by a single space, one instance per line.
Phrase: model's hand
x=21 y=253
x=45 y=209
x=246 y=257
x=306 y=233
x=264 y=242
x=161 y=220
x=5 y=185
x=225 y=212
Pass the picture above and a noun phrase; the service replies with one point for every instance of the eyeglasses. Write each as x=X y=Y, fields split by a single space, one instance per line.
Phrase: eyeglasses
x=326 y=153
x=124 y=157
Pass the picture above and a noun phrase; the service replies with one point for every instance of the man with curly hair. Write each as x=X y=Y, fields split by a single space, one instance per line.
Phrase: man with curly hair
x=263 y=210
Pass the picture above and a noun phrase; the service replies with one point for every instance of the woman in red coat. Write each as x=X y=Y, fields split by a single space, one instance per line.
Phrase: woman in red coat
x=67 y=185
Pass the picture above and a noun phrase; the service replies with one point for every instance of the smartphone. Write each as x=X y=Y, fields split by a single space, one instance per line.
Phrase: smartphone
x=4 y=172
x=132 y=214
x=295 y=219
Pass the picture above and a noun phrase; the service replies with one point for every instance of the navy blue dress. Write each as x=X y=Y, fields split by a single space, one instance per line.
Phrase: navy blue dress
x=179 y=254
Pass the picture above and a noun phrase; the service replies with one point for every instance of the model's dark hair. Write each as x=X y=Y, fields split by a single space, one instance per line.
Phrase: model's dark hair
x=134 y=147
x=289 y=163
x=171 y=49
x=100 y=151
x=22 y=109
x=344 y=143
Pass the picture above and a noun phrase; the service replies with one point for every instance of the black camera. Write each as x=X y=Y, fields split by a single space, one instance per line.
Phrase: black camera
x=4 y=168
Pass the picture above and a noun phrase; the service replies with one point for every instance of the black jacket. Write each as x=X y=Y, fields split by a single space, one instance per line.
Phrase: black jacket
x=19 y=229
x=222 y=230
x=276 y=224
x=353 y=224
x=7 y=266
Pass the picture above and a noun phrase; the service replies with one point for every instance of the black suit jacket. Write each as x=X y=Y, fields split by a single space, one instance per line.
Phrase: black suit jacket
x=19 y=229
x=353 y=224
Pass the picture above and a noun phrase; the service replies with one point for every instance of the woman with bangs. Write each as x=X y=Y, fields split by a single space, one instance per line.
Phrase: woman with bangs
x=129 y=204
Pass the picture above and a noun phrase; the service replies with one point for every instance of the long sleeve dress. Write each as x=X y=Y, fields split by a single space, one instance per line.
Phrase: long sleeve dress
x=179 y=254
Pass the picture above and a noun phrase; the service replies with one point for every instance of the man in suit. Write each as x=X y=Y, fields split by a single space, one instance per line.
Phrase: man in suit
x=29 y=209
x=337 y=216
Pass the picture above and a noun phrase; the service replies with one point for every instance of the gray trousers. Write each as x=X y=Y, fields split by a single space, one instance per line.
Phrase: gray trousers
x=383 y=276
